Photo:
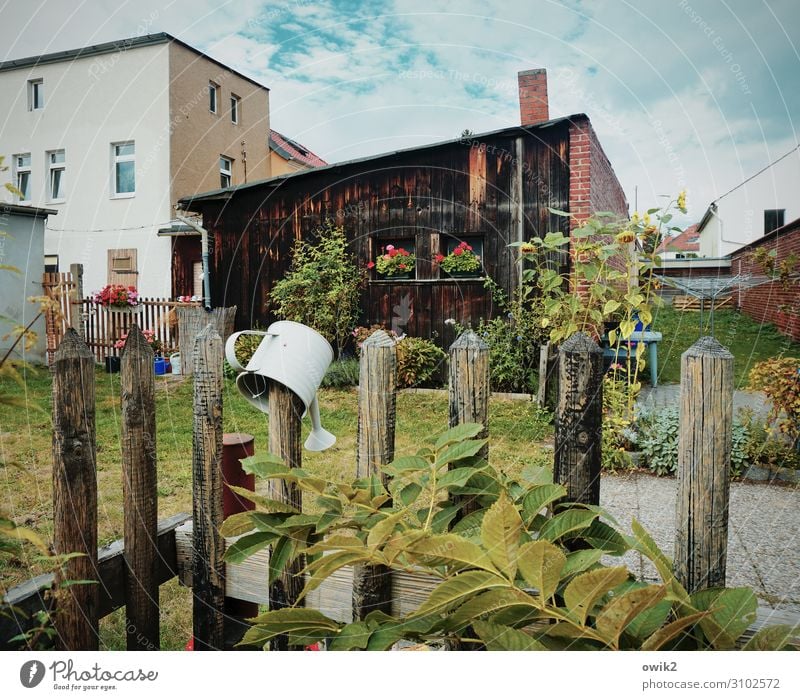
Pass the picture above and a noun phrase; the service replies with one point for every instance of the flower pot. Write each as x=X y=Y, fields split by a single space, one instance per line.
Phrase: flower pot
x=403 y=276
x=112 y=364
x=475 y=274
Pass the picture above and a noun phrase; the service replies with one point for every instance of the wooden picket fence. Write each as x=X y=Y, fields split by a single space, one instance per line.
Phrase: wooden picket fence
x=130 y=574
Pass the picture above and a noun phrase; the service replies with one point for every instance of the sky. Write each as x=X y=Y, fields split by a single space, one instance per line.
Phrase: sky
x=694 y=94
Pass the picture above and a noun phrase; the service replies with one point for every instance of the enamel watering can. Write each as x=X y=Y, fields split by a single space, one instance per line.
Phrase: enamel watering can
x=293 y=355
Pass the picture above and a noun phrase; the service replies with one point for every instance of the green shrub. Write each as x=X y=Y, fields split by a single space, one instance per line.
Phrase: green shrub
x=417 y=361
x=619 y=397
x=658 y=440
x=322 y=286
x=779 y=379
x=342 y=373
x=765 y=449
x=508 y=576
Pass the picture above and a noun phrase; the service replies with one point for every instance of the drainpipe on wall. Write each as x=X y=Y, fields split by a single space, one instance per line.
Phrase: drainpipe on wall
x=204 y=249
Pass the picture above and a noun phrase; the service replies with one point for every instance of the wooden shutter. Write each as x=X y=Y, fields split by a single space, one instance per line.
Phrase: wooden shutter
x=122 y=266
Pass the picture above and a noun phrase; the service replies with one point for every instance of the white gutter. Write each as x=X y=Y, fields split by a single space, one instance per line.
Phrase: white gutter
x=204 y=249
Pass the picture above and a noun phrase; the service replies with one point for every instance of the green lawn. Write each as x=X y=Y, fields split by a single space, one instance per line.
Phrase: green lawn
x=749 y=341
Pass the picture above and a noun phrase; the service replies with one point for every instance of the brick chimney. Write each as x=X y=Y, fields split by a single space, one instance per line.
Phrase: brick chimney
x=533 y=105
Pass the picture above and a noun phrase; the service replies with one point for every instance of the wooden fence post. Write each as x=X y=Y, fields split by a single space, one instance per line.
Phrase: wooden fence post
x=75 y=493
x=377 y=401
x=140 y=495
x=579 y=419
x=469 y=394
x=704 y=456
x=76 y=299
x=208 y=578
x=547 y=391
x=285 y=411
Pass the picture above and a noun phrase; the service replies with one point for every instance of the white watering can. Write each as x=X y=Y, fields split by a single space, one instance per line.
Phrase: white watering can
x=293 y=355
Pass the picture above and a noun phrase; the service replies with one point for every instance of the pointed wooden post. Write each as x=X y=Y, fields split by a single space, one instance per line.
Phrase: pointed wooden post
x=469 y=394
x=208 y=578
x=579 y=419
x=285 y=411
x=139 y=490
x=75 y=493
x=377 y=401
x=704 y=458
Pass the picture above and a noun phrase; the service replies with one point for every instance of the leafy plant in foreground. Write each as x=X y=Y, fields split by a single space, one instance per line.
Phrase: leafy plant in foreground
x=522 y=572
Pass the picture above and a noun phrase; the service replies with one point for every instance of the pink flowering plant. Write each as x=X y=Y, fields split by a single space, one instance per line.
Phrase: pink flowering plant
x=149 y=336
x=461 y=259
x=117 y=296
x=394 y=261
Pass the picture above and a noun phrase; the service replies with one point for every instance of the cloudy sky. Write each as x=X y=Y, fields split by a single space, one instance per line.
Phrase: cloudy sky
x=683 y=93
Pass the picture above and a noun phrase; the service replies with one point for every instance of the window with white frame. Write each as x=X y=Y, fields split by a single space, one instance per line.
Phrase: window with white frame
x=22 y=175
x=213 y=91
x=56 y=165
x=225 y=171
x=35 y=94
x=123 y=173
x=234 y=109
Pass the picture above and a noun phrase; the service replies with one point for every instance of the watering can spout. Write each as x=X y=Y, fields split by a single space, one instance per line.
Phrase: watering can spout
x=318 y=439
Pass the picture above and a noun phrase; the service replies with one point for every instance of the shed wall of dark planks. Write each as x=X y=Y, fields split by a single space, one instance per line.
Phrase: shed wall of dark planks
x=426 y=197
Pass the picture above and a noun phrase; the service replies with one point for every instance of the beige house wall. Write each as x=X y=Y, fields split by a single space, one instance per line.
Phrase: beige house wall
x=199 y=137
x=279 y=165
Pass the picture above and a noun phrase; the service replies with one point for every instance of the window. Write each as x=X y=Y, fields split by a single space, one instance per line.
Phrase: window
x=22 y=169
x=35 y=94
x=234 y=109
x=213 y=89
x=471 y=247
x=773 y=218
x=225 y=170
x=124 y=169
x=197 y=278
x=56 y=163
x=51 y=263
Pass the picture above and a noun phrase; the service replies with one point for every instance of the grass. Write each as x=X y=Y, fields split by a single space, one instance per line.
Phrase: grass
x=517 y=430
x=749 y=341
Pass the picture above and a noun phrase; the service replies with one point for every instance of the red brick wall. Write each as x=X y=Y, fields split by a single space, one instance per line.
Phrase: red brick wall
x=533 y=103
x=771 y=303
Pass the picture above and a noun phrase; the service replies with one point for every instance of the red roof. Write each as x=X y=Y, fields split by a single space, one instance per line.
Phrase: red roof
x=686 y=242
x=291 y=150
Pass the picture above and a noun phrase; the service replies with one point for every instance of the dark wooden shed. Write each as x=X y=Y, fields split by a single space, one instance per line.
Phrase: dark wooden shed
x=489 y=189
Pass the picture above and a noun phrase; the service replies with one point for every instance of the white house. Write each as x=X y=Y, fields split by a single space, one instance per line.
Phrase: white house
x=760 y=204
x=111 y=136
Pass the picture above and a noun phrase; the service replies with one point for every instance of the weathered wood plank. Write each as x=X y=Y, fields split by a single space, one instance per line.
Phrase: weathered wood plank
x=139 y=489
x=704 y=456
x=33 y=595
x=209 y=547
x=285 y=411
x=377 y=403
x=579 y=419
x=75 y=493
x=469 y=394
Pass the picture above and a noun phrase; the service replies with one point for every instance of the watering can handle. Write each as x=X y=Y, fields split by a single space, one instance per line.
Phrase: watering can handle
x=230 y=345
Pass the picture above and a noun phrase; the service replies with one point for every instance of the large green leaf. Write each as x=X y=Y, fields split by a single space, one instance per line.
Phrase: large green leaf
x=732 y=610
x=236 y=524
x=282 y=553
x=612 y=620
x=455 y=477
x=642 y=542
x=500 y=533
x=263 y=465
x=585 y=590
x=775 y=638
x=662 y=636
x=490 y=602
x=566 y=522
x=648 y=621
x=409 y=493
x=408 y=463
x=539 y=497
x=391 y=631
x=459 y=450
x=267 y=505
x=453 y=591
x=580 y=561
x=540 y=564
x=248 y=545
x=449 y=550
x=353 y=636
x=470 y=525
x=382 y=530
x=503 y=638
x=600 y=535
x=327 y=565
x=286 y=621
x=458 y=433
